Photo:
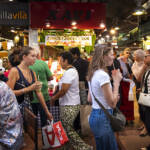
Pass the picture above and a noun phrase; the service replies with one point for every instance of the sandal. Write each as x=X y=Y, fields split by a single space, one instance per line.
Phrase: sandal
x=143 y=134
x=145 y=148
x=140 y=128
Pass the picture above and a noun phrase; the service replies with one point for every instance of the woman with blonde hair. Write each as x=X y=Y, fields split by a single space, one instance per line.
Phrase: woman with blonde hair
x=100 y=87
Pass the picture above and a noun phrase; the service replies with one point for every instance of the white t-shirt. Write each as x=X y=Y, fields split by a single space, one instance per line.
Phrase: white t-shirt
x=72 y=96
x=99 y=78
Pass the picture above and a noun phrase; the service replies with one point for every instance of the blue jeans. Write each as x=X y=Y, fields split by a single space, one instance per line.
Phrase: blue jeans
x=103 y=133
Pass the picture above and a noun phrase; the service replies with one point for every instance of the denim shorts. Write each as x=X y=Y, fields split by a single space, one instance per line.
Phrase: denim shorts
x=101 y=128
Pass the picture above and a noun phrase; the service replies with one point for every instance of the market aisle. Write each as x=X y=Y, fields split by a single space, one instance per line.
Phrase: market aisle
x=130 y=139
x=30 y=144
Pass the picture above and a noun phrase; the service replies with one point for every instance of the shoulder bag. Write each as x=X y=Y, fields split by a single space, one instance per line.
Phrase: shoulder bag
x=144 y=98
x=117 y=119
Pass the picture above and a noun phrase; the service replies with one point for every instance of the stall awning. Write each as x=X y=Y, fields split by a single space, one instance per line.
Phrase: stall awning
x=60 y=15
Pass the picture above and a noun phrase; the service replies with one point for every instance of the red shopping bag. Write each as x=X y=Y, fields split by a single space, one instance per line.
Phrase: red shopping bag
x=60 y=132
x=54 y=135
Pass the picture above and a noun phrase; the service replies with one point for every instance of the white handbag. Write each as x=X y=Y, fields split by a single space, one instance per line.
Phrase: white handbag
x=144 y=99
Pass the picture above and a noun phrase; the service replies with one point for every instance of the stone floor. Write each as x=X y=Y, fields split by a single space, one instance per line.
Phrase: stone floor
x=129 y=139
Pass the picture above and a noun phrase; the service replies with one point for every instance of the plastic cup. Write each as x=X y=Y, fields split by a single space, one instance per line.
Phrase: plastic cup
x=40 y=86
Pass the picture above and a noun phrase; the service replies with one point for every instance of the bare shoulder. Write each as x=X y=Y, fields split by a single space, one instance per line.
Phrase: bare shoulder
x=14 y=70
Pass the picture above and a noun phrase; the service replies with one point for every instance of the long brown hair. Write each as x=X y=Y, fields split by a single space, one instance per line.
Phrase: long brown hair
x=98 y=59
x=25 y=51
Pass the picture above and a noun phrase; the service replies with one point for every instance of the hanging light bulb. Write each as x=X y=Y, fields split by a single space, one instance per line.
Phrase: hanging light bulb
x=16 y=39
x=117 y=28
x=74 y=27
x=102 y=25
x=73 y=23
x=112 y=31
x=139 y=11
x=47 y=24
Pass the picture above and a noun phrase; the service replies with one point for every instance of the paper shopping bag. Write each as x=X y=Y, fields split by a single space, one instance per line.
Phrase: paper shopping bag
x=85 y=111
x=49 y=138
x=60 y=132
x=131 y=95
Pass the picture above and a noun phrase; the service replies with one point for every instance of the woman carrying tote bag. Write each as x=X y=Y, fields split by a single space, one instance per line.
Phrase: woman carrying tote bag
x=100 y=86
x=69 y=102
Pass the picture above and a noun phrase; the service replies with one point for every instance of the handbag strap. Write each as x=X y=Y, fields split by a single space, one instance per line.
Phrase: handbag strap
x=145 y=82
x=100 y=104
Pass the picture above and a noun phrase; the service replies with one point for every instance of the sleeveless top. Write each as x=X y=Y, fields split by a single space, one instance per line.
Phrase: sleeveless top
x=22 y=83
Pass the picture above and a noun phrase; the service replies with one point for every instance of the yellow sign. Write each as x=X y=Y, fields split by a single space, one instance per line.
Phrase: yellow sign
x=68 y=40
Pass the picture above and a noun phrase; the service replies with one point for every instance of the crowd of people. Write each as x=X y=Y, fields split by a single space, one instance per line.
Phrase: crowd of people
x=107 y=77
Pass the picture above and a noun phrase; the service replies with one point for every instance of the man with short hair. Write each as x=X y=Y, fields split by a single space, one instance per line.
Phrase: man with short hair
x=82 y=67
x=80 y=64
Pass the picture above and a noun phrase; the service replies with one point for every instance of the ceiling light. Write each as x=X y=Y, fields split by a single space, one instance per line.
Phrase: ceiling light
x=105 y=30
x=47 y=24
x=73 y=23
x=139 y=11
x=16 y=39
x=112 y=31
x=117 y=28
x=107 y=36
x=102 y=25
x=12 y=30
x=74 y=27
x=10 y=0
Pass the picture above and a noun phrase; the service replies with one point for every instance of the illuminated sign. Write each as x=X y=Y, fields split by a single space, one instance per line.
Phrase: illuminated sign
x=14 y=14
x=68 y=40
x=60 y=15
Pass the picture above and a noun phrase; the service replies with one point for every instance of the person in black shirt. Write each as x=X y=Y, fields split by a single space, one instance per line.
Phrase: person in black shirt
x=82 y=67
x=114 y=66
x=80 y=64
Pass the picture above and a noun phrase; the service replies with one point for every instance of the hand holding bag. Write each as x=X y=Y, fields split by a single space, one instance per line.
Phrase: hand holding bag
x=117 y=120
x=54 y=135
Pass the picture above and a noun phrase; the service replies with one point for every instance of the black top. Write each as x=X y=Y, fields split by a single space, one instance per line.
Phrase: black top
x=3 y=78
x=116 y=65
x=22 y=83
x=82 y=67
